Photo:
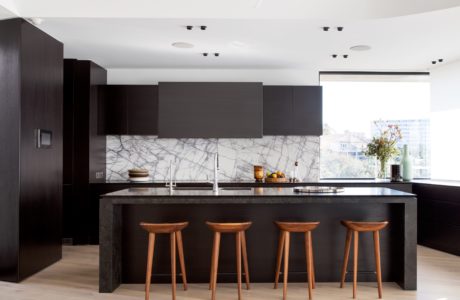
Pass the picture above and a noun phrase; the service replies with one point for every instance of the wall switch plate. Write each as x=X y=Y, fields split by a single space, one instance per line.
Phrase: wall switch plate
x=99 y=175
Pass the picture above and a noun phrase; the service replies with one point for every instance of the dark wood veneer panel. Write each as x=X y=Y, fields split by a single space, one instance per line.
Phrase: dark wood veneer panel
x=210 y=110
x=10 y=97
x=40 y=214
x=31 y=93
x=88 y=145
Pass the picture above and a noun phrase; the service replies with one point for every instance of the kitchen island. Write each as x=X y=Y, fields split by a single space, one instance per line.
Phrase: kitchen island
x=123 y=244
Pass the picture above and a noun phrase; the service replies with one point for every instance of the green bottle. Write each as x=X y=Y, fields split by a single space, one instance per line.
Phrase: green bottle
x=406 y=165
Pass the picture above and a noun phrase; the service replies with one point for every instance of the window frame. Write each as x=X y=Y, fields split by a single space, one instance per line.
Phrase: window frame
x=363 y=73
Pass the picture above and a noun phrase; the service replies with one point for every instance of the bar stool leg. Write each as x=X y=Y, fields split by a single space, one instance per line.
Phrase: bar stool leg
x=377 y=261
x=214 y=265
x=312 y=265
x=148 y=276
x=286 y=263
x=238 y=262
x=173 y=264
x=345 y=257
x=355 y=262
x=180 y=249
x=245 y=259
x=309 y=263
x=279 y=256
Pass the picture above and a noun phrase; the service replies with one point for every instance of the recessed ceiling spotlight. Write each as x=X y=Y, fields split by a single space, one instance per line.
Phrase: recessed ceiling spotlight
x=334 y=55
x=205 y=54
x=216 y=54
x=345 y=56
x=182 y=45
x=440 y=60
x=35 y=21
x=340 y=28
x=360 y=48
x=203 y=27
x=326 y=28
x=189 y=27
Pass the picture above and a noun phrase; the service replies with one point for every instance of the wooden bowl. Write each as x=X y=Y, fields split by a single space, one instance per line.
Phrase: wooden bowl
x=275 y=180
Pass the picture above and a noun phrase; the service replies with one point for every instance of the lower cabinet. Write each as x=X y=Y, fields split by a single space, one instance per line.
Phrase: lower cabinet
x=438 y=217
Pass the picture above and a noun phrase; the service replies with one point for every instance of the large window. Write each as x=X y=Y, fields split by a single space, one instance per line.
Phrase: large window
x=354 y=106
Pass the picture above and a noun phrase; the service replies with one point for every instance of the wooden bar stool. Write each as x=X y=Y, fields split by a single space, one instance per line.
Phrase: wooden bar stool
x=285 y=230
x=239 y=230
x=354 y=228
x=174 y=229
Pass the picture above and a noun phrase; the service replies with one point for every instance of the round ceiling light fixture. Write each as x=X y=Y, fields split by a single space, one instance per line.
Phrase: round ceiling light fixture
x=360 y=48
x=182 y=45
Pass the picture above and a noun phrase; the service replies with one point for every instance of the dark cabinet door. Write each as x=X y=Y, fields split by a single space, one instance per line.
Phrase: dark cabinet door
x=307 y=110
x=210 y=110
x=130 y=109
x=293 y=110
x=116 y=119
x=142 y=109
x=277 y=109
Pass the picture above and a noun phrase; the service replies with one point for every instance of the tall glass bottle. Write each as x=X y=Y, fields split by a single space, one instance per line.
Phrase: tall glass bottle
x=406 y=164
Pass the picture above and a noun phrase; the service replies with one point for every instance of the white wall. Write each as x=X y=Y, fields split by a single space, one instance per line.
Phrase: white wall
x=267 y=76
x=445 y=121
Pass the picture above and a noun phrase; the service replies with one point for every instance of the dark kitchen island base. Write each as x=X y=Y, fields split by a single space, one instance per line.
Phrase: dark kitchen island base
x=123 y=243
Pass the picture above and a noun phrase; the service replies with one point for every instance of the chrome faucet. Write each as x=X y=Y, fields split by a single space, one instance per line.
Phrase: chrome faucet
x=171 y=184
x=215 y=186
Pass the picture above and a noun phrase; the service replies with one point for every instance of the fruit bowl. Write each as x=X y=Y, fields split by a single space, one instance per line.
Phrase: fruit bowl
x=275 y=180
x=275 y=177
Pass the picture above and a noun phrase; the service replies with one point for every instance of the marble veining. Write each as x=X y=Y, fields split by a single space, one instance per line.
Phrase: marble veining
x=193 y=158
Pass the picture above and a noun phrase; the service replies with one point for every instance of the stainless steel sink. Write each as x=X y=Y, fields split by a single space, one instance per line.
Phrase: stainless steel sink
x=193 y=188
x=236 y=188
x=209 y=188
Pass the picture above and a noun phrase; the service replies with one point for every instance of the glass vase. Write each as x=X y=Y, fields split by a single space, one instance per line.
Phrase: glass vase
x=382 y=169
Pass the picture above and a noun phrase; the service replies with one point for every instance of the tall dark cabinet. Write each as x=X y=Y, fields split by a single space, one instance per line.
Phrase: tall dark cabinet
x=84 y=147
x=31 y=106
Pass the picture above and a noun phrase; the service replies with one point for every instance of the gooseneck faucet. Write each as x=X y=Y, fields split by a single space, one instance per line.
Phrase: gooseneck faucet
x=171 y=183
x=215 y=186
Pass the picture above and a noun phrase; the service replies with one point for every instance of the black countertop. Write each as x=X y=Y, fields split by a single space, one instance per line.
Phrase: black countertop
x=255 y=192
x=252 y=182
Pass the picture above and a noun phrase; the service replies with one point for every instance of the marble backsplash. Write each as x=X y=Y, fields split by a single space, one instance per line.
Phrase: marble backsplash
x=193 y=159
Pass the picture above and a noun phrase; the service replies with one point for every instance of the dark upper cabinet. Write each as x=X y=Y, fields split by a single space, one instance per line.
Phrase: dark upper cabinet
x=210 y=110
x=142 y=109
x=115 y=115
x=130 y=109
x=293 y=110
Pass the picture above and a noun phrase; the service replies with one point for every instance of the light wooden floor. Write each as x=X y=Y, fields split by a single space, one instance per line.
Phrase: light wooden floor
x=76 y=278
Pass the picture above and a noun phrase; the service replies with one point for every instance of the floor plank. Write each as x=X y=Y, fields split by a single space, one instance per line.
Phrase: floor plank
x=75 y=277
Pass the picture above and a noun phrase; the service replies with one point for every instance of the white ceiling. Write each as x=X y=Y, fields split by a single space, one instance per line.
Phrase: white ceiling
x=5 y=13
x=404 y=35
x=229 y=9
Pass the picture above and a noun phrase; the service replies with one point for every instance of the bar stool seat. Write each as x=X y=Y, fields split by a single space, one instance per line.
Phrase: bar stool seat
x=284 y=241
x=239 y=230
x=174 y=229
x=353 y=229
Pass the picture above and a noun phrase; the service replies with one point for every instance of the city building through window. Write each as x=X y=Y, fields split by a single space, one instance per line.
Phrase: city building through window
x=357 y=106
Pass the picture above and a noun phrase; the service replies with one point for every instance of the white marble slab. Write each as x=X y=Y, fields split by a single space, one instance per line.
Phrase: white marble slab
x=193 y=158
